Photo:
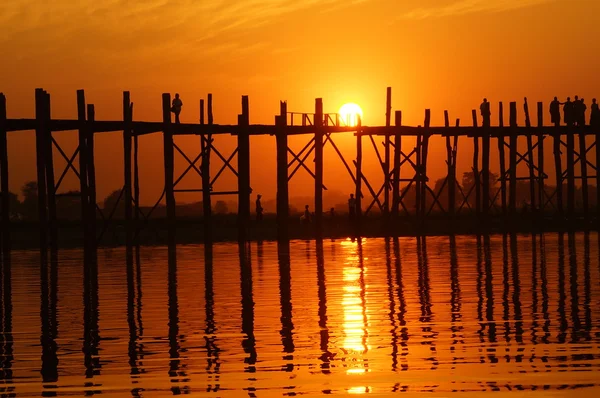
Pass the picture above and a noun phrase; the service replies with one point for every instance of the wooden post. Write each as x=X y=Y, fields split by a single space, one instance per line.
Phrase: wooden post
x=319 y=164
x=282 y=172
x=136 y=189
x=570 y=171
x=4 y=187
x=243 y=170
x=169 y=166
x=205 y=145
x=425 y=152
x=476 y=166
x=597 y=137
x=558 y=169
x=502 y=159
x=451 y=178
x=540 y=142
x=386 y=161
x=83 y=173
x=127 y=191
x=358 y=193
x=91 y=116
x=41 y=170
x=512 y=202
x=584 y=176
x=50 y=188
x=530 y=157
x=397 y=151
x=485 y=169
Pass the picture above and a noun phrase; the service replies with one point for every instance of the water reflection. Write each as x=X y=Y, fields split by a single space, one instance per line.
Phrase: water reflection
x=466 y=314
x=6 y=340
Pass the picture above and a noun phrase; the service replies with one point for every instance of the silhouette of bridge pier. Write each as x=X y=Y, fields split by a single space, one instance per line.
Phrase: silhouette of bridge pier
x=404 y=167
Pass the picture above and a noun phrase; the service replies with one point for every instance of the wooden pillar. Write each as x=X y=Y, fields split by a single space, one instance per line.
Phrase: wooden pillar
x=83 y=172
x=597 y=138
x=282 y=172
x=502 y=159
x=584 y=176
x=419 y=145
x=512 y=158
x=359 y=176
x=50 y=187
x=205 y=146
x=485 y=169
x=425 y=152
x=244 y=170
x=4 y=187
x=91 y=116
x=319 y=164
x=169 y=166
x=530 y=156
x=127 y=191
x=386 y=161
x=136 y=189
x=396 y=178
x=558 y=169
x=476 y=165
x=540 y=142
x=570 y=171
x=451 y=177
x=41 y=170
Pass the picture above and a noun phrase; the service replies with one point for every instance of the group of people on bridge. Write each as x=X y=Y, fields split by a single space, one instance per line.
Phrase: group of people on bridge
x=573 y=111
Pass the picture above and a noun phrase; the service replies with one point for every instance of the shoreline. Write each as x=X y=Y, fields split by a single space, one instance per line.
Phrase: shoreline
x=25 y=235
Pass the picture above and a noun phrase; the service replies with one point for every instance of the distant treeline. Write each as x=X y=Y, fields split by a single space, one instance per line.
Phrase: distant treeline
x=68 y=205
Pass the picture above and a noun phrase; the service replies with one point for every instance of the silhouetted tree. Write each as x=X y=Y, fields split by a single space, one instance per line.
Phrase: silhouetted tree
x=221 y=207
x=113 y=200
x=468 y=181
x=68 y=206
x=14 y=204
x=29 y=207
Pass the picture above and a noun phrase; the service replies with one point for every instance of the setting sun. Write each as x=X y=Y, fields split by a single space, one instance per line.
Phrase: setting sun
x=349 y=114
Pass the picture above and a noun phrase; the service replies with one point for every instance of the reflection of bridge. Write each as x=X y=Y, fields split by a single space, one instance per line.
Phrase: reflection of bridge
x=405 y=191
x=508 y=313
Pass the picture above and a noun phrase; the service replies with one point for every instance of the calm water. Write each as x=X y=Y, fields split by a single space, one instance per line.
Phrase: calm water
x=518 y=315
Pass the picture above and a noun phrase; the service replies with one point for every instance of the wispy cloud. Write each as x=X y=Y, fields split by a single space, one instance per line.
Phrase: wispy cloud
x=462 y=7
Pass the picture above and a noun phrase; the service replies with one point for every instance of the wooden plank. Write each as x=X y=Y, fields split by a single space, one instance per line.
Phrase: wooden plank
x=41 y=171
x=318 y=131
x=282 y=173
x=168 y=156
x=512 y=159
x=476 y=175
x=4 y=186
x=386 y=157
x=396 y=178
x=127 y=190
x=243 y=140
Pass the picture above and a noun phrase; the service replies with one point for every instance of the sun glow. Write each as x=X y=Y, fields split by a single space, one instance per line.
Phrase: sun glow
x=350 y=114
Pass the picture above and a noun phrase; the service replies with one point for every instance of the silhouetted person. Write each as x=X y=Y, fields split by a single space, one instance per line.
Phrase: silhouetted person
x=595 y=114
x=581 y=114
x=259 y=208
x=352 y=207
x=484 y=108
x=576 y=110
x=332 y=213
x=306 y=216
x=176 y=107
x=555 y=111
x=568 y=112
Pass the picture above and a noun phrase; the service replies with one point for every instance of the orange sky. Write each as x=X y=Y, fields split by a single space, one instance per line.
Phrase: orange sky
x=438 y=54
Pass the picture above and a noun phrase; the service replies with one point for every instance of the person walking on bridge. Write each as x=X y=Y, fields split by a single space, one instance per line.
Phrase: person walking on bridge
x=555 y=111
x=176 y=107
x=595 y=114
x=568 y=112
x=484 y=108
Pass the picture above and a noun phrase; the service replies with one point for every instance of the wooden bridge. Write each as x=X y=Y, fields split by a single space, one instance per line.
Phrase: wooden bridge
x=400 y=164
